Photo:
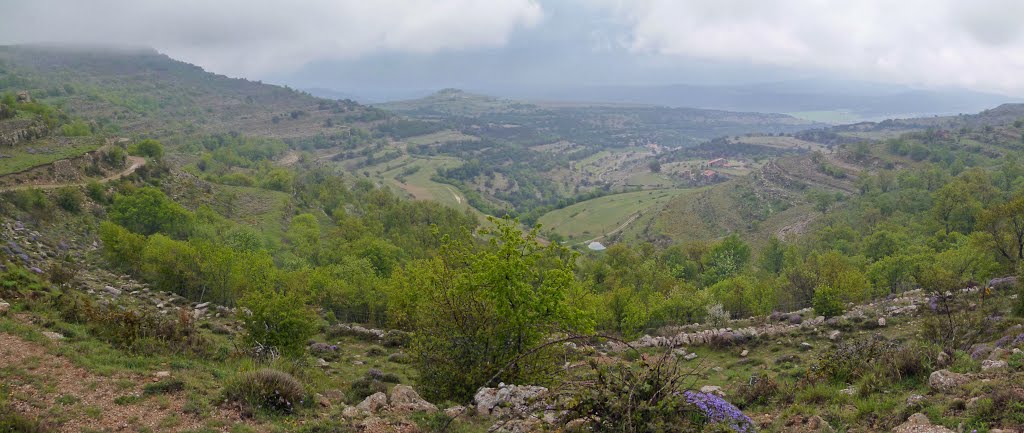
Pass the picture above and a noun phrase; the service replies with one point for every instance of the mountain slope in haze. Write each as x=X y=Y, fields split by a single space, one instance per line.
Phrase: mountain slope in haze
x=143 y=90
x=867 y=101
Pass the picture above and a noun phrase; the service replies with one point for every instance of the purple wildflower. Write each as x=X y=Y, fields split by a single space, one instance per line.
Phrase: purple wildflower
x=717 y=410
x=1019 y=340
x=1002 y=342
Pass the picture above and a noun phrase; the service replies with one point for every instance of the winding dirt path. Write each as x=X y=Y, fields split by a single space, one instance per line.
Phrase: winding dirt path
x=135 y=163
x=617 y=229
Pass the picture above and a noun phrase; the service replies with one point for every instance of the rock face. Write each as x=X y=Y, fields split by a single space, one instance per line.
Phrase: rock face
x=946 y=381
x=919 y=423
x=17 y=131
x=405 y=399
x=507 y=400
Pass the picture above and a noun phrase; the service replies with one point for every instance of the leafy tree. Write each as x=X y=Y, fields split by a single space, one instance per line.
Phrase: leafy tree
x=149 y=148
x=773 y=256
x=148 y=210
x=482 y=309
x=279 y=319
x=304 y=236
x=725 y=259
x=1005 y=224
x=827 y=301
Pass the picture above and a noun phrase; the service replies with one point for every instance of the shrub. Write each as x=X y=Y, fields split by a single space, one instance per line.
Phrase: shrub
x=651 y=398
x=759 y=390
x=364 y=387
x=278 y=320
x=827 y=301
x=266 y=390
x=148 y=148
x=69 y=199
x=716 y=315
x=77 y=128
x=138 y=331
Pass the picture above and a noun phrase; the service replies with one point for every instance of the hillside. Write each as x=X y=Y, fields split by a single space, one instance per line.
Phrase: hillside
x=177 y=260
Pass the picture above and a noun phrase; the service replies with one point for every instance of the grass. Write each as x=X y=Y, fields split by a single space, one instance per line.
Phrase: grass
x=592 y=218
x=440 y=137
x=39 y=153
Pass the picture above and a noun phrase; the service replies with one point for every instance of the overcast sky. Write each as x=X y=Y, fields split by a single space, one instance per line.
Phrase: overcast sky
x=347 y=44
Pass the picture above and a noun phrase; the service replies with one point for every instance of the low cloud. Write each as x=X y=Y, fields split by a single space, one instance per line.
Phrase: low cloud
x=254 y=37
x=977 y=44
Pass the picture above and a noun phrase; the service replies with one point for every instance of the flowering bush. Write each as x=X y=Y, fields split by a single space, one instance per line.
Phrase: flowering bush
x=715 y=410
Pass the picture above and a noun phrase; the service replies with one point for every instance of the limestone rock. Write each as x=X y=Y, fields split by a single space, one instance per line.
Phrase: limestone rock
x=507 y=400
x=162 y=374
x=353 y=412
x=834 y=335
x=373 y=404
x=881 y=322
x=4 y=308
x=744 y=353
x=690 y=356
x=405 y=399
x=946 y=381
x=455 y=411
x=712 y=389
x=55 y=336
x=919 y=423
x=915 y=399
x=989 y=364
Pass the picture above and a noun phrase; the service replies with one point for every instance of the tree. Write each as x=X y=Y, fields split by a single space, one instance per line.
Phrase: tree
x=725 y=259
x=773 y=256
x=149 y=148
x=148 y=211
x=304 y=236
x=483 y=308
x=655 y=167
x=1005 y=224
x=280 y=319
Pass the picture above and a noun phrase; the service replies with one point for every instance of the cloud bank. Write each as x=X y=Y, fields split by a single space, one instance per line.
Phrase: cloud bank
x=253 y=37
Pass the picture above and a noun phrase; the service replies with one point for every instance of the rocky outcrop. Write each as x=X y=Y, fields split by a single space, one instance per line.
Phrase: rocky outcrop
x=17 y=131
x=404 y=399
x=919 y=423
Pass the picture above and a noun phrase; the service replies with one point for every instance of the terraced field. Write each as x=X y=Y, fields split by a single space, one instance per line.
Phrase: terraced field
x=605 y=216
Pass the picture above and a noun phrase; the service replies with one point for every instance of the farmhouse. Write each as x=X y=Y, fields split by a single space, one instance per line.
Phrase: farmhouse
x=718 y=162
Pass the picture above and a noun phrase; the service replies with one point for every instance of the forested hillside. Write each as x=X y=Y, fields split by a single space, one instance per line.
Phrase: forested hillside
x=227 y=255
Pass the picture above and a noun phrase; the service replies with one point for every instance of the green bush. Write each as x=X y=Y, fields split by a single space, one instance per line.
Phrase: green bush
x=77 y=128
x=827 y=301
x=169 y=386
x=266 y=390
x=149 y=148
x=278 y=320
x=69 y=199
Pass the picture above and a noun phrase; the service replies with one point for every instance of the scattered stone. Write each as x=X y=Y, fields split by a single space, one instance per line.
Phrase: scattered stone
x=990 y=364
x=817 y=424
x=322 y=363
x=55 y=336
x=690 y=356
x=946 y=381
x=4 y=308
x=848 y=391
x=202 y=306
x=111 y=290
x=998 y=353
x=405 y=399
x=919 y=423
x=162 y=374
x=806 y=346
x=373 y=404
x=834 y=335
x=744 y=353
x=881 y=322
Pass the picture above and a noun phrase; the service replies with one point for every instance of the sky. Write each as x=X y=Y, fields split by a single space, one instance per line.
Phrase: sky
x=360 y=45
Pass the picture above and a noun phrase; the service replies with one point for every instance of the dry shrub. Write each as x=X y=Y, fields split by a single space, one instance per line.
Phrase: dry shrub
x=266 y=390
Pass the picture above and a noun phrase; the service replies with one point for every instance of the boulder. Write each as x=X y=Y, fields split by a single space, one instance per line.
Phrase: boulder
x=834 y=335
x=506 y=400
x=353 y=412
x=946 y=381
x=744 y=353
x=990 y=364
x=881 y=322
x=373 y=404
x=919 y=423
x=690 y=356
x=162 y=374
x=943 y=359
x=915 y=400
x=112 y=291
x=4 y=308
x=324 y=402
x=405 y=399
